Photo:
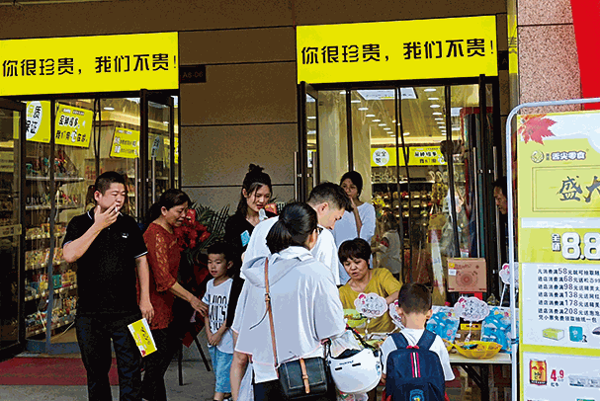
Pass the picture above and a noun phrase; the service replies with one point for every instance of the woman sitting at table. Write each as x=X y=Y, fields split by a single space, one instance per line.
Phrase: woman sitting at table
x=355 y=255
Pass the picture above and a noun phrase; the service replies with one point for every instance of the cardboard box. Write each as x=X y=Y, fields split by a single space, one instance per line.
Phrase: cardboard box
x=467 y=275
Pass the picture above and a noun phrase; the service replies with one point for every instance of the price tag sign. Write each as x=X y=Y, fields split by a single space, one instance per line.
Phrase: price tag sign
x=559 y=254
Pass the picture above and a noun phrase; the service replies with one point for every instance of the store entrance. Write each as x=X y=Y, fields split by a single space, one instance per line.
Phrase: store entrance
x=12 y=123
x=414 y=146
x=69 y=142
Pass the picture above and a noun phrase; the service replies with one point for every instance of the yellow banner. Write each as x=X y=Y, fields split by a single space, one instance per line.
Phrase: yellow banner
x=73 y=126
x=417 y=156
x=380 y=51
x=126 y=144
x=38 y=122
x=89 y=64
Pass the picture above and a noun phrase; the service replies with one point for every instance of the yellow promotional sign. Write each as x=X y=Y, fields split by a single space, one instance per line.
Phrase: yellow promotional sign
x=126 y=144
x=426 y=156
x=380 y=51
x=417 y=156
x=73 y=126
x=38 y=122
x=559 y=252
x=89 y=64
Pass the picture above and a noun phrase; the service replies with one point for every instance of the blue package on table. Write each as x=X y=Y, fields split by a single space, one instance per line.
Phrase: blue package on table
x=444 y=322
x=496 y=327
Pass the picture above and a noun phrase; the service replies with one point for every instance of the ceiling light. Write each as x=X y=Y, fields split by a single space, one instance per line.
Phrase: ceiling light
x=108 y=108
x=382 y=124
x=406 y=134
x=393 y=121
x=311 y=117
x=342 y=92
x=435 y=106
x=455 y=128
x=363 y=108
x=376 y=120
x=439 y=119
x=355 y=101
x=387 y=129
x=433 y=98
x=430 y=90
x=370 y=115
x=437 y=113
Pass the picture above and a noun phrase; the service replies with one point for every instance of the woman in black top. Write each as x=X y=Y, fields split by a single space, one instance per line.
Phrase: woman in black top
x=256 y=192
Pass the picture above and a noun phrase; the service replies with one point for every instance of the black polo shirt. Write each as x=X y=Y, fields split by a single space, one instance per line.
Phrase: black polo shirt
x=106 y=273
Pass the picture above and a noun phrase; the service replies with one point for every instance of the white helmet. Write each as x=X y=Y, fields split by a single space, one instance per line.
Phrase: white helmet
x=357 y=373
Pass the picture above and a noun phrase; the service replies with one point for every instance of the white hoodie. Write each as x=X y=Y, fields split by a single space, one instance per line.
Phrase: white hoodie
x=306 y=309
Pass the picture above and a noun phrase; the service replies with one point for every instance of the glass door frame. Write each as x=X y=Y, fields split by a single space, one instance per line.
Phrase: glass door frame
x=487 y=167
x=166 y=100
x=19 y=346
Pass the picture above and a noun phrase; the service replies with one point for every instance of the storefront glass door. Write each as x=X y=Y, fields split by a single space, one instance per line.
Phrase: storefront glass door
x=158 y=129
x=415 y=146
x=12 y=126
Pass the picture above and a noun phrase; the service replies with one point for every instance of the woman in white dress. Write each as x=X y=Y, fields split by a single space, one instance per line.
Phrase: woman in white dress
x=360 y=223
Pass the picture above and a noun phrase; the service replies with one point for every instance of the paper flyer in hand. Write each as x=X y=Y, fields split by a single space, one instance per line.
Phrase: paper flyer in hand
x=142 y=335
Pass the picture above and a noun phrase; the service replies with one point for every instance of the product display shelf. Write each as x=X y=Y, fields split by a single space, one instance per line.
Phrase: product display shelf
x=64 y=322
x=57 y=179
x=56 y=291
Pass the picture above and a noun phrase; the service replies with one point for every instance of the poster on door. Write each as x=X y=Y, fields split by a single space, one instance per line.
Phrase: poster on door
x=559 y=254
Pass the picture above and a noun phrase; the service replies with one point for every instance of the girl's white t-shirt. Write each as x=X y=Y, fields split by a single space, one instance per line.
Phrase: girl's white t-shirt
x=217 y=299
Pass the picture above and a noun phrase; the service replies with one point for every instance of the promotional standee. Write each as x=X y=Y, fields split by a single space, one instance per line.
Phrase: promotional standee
x=559 y=255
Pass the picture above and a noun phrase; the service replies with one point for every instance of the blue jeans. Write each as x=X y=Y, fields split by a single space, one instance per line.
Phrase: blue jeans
x=221 y=365
x=93 y=336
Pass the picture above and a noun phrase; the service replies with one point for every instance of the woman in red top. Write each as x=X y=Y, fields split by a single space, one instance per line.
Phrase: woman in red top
x=164 y=256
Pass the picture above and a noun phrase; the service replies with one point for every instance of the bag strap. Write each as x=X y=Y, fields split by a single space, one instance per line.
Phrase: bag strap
x=426 y=340
x=270 y=312
x=399 y=340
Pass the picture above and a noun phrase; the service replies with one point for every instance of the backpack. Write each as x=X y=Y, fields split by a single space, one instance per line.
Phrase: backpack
x=415 y=373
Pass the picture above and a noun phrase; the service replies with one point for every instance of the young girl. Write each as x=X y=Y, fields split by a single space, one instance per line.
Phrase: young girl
x=360 y=223
x=220 y=340
x=256 y=192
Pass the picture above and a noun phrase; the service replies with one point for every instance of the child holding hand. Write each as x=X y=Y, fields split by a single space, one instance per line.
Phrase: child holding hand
x=220 y=340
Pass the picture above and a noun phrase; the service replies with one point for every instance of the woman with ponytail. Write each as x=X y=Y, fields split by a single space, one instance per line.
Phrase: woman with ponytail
x=163 y=257
x=255 y=194
x=305 y=304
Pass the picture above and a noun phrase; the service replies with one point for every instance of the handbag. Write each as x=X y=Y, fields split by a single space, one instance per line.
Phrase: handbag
x=300 y=378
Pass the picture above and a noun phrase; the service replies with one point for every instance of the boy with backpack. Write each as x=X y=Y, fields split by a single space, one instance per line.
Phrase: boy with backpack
x=416 y=364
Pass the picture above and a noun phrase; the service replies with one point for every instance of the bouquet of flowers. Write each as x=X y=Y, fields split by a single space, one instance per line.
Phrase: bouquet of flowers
x=201 y=228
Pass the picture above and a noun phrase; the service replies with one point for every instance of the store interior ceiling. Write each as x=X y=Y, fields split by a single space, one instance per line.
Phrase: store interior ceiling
x=423 y=113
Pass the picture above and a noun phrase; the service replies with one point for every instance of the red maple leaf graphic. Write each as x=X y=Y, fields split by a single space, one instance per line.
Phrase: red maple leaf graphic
x=535 y=128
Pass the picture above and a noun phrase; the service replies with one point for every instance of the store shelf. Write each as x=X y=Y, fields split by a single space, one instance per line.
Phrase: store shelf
x=31 y=333
x=45 y=293
x=57 y=179
x=47 y=207
x=45 y=236
x=45 y=265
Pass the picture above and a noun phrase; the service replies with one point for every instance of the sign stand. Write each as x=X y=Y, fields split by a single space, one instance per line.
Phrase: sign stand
x=511 y=234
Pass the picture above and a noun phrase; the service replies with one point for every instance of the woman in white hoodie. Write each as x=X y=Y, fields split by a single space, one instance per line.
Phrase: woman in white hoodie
x=305 y=302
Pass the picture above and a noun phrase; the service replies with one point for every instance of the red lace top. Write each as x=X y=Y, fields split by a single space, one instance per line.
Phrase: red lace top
x=163 y=257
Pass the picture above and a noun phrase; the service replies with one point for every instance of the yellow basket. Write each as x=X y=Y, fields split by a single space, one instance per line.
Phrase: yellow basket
x=353 y=318
x=478 y=349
